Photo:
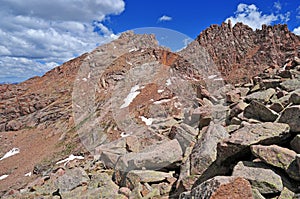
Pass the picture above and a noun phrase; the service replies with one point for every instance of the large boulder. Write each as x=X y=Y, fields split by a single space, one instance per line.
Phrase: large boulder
x=221 y=187
x=259 y=111
x=261 y=96
x=291 y=84
x=204 y=152
x=260 y=176
x=279 y=157
x=153 y=157
x=240 y=140
x=291 y=116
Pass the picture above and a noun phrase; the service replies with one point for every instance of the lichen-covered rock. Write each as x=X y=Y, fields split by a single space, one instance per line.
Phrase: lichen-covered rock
x=241 y=139
x=260 y=176
x=221 y=187
x=261 y=96
x=279 y=157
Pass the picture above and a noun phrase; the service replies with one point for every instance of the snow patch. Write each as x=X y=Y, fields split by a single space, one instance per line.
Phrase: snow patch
x=219 y=79
x=3 y=177
x=148 y=121
x=84 y=79
x=129 y=63
x=70 y=158
x=123 y=134
x=133 y=49
x=162 y=101
x=168 y=83
x=12 y=152
x=212 y=76
x=130 y=97
x=160 y=91
x=28 y=174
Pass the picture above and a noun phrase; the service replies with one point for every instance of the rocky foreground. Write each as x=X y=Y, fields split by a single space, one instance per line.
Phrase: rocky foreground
x=190 y=134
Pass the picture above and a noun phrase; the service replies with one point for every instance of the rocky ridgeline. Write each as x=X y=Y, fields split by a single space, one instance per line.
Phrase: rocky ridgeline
x=233 y=141
x=241 y=53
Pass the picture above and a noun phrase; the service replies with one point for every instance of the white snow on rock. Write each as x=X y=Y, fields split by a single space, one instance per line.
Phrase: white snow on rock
x=130 y=97
x=123 y=134
x=129 y=63
x=12 y=152
x=70 y=158
x=160 y=91
x=168 y=83
x=133 y=49
x=162 y=101
x=219 y=79
x=212 y=76
x=148 y=121
x=84 y=79
x=28 y=174
x=3 y=177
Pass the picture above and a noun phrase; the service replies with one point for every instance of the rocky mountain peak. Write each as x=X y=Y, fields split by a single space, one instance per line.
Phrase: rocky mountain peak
x=241 y=52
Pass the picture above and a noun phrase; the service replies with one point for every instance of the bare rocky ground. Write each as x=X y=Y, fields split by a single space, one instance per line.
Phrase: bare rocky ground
x=185 y=132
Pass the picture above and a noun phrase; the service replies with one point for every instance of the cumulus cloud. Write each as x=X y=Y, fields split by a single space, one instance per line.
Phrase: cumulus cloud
x=297 y=31
x=253 y=17
x=37 y=35
x=165 y=18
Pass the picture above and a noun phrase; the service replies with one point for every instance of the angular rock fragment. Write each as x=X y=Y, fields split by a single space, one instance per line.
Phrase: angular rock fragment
x=240 y=140
x=221 y=187
x=259 y=111
x=278 y=157
x=295 y=143
x=260 y=176
x=153 y=157
x=291 y=116
x=204 y=152
x=261 y=96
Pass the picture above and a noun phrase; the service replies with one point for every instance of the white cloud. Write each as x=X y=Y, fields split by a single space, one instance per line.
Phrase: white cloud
x=253 y=17
x=297 y=31
x=298 y=14
x=37 y=35
x=165 y=18
x=277 y=6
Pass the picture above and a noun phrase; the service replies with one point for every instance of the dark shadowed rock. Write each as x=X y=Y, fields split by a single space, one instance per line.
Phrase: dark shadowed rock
x=295 y=143
x=295 y=97
x=259 y=111
x=260 y=176
x=221 y=187
x=291 y=116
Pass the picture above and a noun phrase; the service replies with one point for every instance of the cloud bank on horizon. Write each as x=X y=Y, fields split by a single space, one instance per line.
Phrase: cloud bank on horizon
x=254 y=18
x=36 y=36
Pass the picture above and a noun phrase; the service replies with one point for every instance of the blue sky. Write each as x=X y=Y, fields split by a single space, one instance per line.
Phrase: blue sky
x=37 y=35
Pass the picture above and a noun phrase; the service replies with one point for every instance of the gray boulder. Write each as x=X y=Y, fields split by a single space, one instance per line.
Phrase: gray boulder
x=291 y=116
x=259 y=111
x=260 y=176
